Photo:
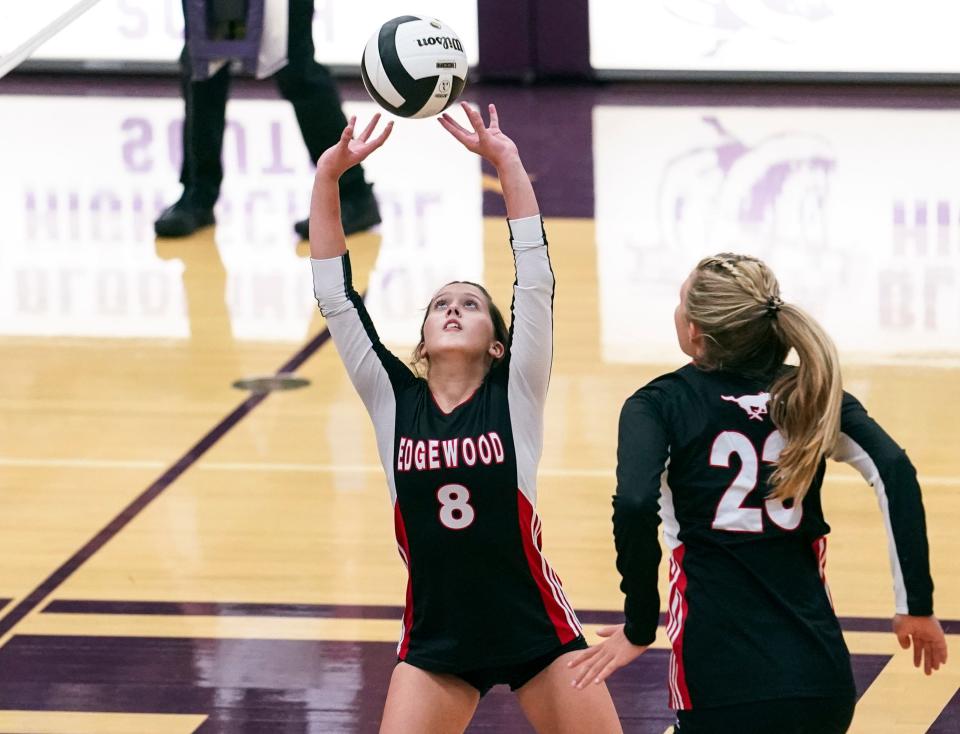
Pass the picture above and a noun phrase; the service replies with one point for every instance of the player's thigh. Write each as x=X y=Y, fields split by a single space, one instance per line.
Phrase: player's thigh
x=552 y=705
x=420 y=701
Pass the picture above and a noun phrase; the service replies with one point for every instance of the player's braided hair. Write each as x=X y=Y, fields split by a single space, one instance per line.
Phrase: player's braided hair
x=421 y=364
x=748 y=329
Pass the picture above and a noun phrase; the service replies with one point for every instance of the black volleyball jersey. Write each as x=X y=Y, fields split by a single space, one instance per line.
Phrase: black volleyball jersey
x=463 y=484
x=749 y=614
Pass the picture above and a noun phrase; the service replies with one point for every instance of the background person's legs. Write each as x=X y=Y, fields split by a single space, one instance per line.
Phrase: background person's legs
x=205 y=109
x=201 y=171
x=312 y=91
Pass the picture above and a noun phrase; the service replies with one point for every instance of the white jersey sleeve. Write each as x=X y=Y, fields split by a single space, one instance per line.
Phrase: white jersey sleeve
x=531 y=345
x=375 y=372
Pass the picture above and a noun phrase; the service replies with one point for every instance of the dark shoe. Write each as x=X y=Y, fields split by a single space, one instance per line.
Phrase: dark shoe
x=357 y=214
x=182 y=219
x=302 y=228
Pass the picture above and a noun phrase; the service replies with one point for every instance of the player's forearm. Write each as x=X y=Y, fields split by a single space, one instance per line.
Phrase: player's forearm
x=326 y=231
x=909 y=533
x=638 y=560
x=518 y=192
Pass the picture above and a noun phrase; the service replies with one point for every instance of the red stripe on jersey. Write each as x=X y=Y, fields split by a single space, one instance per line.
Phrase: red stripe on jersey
x=564 y=621
x=676 y=623
x=404 y=547
x=820 y=551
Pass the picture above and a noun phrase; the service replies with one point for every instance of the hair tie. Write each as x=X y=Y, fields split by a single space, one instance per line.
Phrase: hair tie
x=774 y=304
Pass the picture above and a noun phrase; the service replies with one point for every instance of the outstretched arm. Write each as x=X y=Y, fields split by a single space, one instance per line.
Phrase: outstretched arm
x=374 y=371
x=326 y=232
x=531 y=323
x=531 y=328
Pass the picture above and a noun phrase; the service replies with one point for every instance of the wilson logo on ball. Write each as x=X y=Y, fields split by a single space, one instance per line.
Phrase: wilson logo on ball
x=411 y=70
x=444 y=41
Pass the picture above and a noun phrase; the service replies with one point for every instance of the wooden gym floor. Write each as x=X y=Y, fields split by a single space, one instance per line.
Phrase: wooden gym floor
x=184 y=556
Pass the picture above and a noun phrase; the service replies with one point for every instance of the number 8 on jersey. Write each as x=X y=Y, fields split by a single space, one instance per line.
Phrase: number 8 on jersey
x=456 y=512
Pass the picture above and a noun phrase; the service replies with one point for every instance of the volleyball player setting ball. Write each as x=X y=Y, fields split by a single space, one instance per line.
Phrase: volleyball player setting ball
x=729 y=452
x=460 y=447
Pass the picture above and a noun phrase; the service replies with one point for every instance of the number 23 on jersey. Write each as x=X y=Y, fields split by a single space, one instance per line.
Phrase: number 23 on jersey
x=731 y=515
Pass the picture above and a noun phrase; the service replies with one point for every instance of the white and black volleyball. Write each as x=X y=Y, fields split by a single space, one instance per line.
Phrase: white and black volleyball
x=414 y=66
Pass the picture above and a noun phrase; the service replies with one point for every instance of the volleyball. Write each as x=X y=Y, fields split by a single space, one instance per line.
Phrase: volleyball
x=414 y=66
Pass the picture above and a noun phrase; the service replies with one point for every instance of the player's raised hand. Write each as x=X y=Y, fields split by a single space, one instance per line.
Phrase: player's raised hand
x=926 y=636
x=350 y=150
x=487 y=141
x=597 y=663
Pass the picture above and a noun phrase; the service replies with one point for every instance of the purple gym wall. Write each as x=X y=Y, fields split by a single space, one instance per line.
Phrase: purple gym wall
x=534 y=39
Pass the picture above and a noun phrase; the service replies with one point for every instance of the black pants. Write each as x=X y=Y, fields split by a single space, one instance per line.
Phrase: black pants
x=303 y=82
x=780 y=716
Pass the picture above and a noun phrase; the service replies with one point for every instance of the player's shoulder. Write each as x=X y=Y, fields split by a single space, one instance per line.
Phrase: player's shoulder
x=691 y=382
x=852 y=412
x=851 y=403
x=665 y=385
x=662 y=395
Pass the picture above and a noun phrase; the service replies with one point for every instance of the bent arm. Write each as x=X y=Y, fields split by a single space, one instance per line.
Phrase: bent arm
x=869 y=449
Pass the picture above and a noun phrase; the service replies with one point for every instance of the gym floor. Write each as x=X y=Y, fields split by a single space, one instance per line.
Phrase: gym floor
x=181 y=555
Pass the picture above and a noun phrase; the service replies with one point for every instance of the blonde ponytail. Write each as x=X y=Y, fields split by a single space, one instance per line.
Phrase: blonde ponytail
x=748 y=329
x=805 y=403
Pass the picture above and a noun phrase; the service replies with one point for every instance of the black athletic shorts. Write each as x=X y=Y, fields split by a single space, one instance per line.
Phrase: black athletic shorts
x=517 y=674
x=778 y=716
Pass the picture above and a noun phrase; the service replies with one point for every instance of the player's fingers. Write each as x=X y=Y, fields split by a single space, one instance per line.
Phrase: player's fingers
x=453 y=123
x=932 y=654
x=927 y=658
x=371 y=126
x=453 y=128
x=583 y=656
x=904 y=641
x=595 y=670
x=607 y=671
x=494 y=119
x=382 y=137
x=942 y=650
x=476 y=122
x=347 y=135
x=583 y=674
x=917 y=652
x=462 y=136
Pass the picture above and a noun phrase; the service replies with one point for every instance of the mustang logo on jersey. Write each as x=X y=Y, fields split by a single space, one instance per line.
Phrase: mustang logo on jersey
x=446 y=454
x=755 y=406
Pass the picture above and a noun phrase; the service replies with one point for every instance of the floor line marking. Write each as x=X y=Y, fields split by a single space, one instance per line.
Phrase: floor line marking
x=305 y=467
x=45 y=589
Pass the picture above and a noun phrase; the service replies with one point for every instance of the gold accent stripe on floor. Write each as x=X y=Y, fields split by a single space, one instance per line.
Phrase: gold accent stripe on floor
x=96 y=722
